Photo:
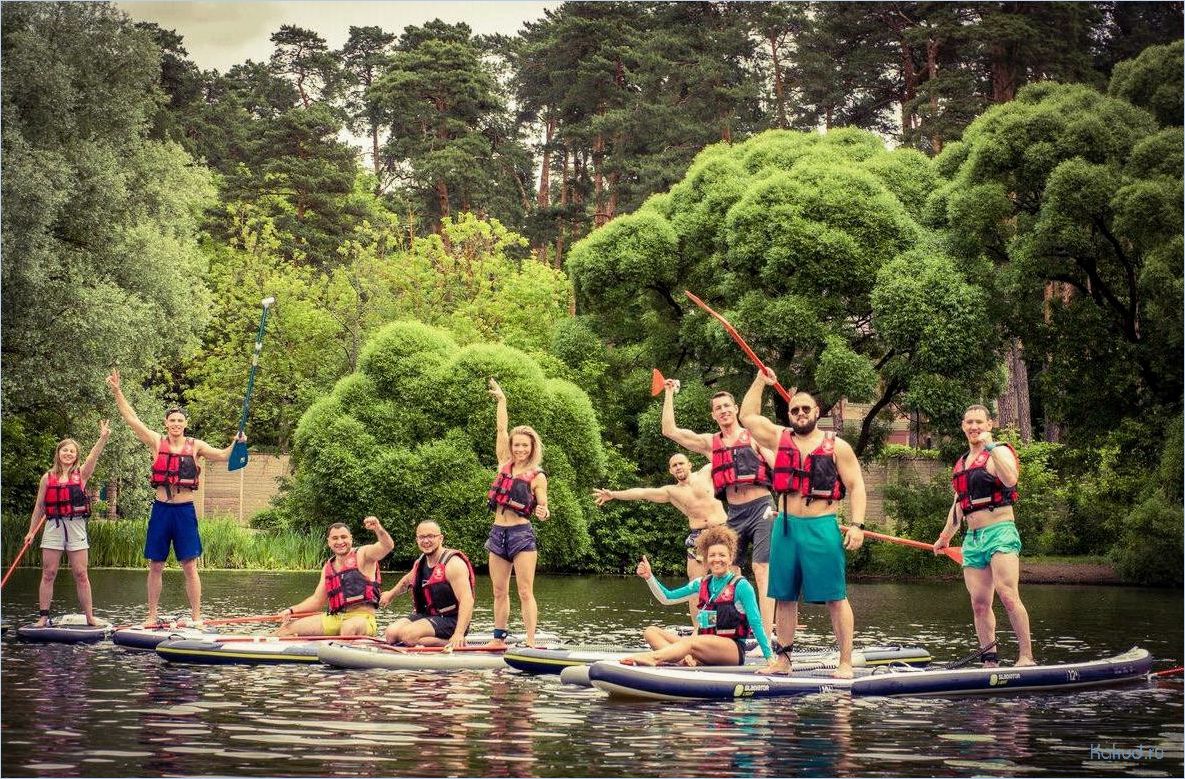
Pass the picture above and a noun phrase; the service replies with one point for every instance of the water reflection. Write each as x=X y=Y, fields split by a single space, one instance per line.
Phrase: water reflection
x=105 y=711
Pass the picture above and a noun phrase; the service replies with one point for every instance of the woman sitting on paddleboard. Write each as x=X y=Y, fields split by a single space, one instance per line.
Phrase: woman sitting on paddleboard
x=725 y=599
x=518 y=492
x=63 y=501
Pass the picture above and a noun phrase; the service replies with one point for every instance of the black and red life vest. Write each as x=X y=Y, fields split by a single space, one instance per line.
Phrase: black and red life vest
x=178 y=469
x=65 y=498
x=977 y=488
x=432 y=594
x=814 y=477
x=738 y=464
x=730 y=622
x=349 y=587
x=513 y=492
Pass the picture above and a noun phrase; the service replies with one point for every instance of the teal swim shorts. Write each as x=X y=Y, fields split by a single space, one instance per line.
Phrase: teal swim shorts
x=980 y=545
x=806 y=559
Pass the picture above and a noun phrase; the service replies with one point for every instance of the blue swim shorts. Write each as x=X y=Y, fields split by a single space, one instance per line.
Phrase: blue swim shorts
x=172 y=524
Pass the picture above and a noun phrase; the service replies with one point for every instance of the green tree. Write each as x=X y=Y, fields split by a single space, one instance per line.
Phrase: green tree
x=363 y=59
x=1153 y=82
x=409 y=436
x=101 y=265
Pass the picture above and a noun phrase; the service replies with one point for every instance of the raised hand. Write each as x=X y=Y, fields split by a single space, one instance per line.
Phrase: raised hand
x=644 y=568
x=104 y=428
x=496 y=390
x=113 y=381
x=603 y=495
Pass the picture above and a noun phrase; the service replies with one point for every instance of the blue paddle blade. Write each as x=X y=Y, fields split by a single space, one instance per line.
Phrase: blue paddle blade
x=238 y=456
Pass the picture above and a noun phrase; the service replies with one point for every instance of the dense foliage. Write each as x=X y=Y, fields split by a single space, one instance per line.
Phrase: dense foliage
x=914 y=205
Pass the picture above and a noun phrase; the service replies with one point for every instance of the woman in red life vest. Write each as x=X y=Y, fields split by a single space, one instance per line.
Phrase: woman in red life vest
x=173 y=521
x=728 y=612
x=518 y=493
x=62 y=500
x=984 y=482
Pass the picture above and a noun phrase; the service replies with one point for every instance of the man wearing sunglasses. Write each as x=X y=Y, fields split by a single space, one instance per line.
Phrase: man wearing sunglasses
x=741 y=479
x=442 y=584
x=813 y=470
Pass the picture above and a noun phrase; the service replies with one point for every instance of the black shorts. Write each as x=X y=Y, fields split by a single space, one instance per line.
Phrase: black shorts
x=508 y=541
x=751 y=523
x=444 y=625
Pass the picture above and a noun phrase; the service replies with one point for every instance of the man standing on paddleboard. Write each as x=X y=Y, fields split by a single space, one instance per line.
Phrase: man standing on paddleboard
x=812 y=472
x=173 y=522
x=740 y=478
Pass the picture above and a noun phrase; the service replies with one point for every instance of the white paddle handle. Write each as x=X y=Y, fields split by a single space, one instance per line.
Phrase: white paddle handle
x=268 y=301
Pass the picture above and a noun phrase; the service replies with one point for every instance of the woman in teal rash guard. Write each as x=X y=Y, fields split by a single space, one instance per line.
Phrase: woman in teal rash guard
x=725 y=602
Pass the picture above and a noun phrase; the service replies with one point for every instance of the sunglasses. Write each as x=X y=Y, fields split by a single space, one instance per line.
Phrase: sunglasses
x=796 y=410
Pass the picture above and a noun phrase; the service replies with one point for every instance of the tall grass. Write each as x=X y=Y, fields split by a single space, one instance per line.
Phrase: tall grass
x=225 y=544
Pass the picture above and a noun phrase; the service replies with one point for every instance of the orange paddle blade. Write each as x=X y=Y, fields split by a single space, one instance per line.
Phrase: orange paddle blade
x=656 y=382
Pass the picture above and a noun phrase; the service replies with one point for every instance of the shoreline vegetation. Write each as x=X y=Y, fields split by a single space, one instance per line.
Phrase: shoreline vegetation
x=229 y=546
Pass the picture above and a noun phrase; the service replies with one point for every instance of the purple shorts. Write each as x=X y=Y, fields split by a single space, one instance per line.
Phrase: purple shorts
x=507 y=541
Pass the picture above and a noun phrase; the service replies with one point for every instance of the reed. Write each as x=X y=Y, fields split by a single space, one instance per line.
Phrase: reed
x=226 y=544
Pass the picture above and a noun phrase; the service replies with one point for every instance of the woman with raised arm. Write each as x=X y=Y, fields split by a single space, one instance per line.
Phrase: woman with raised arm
x=63 y=501
x=518 y=493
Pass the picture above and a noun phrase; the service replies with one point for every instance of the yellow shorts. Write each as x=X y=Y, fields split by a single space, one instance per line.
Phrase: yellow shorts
x=331 y=624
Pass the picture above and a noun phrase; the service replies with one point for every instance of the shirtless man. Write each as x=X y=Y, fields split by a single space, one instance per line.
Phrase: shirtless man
x=741 y=477
x=692 y=494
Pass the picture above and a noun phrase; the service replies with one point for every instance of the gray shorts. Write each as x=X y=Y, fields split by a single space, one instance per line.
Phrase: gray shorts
x=689 y=542
x=508 y=541
x=751 y=523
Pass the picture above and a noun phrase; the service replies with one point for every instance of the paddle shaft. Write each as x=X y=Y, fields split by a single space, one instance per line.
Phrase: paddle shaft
x=21 y=553
x=732 y=331
x=254 y=365
x=953 y=552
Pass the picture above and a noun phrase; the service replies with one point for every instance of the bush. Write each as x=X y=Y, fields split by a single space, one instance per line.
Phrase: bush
x=1149 y=550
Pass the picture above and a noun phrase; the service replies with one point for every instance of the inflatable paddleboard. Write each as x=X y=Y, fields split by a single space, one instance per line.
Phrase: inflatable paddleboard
x=1132 y=664
x=68 y=629
x=343 y=655
x=148 y=638
x=266 y=651
x=550 y=661
x=672 y=683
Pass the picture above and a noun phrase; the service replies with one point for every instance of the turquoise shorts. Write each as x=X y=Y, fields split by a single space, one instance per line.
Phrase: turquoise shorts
x=980 y=545
x=806 y=559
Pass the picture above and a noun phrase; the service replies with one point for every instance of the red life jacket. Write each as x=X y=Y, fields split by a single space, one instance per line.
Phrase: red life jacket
x=349 y=587
x=66 y=499
x=513 y=492
x=976 y=488
x=179 y=469
x=434 y=595
x=737 y=464
x=730 y=621
x=814 y=477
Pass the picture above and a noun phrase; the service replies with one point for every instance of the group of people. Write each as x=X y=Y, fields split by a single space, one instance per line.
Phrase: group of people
x=769 y=490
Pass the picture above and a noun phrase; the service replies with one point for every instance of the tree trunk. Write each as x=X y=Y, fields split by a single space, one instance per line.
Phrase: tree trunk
x=544 y=198
x=442 y=201
x=779 y=87
x=910 y=90
x=932 y=74
x=378 y=165
x=1003 y=73
x=598 y=153
x=1014 y=405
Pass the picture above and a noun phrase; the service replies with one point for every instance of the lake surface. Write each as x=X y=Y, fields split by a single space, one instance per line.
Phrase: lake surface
x=102 y=710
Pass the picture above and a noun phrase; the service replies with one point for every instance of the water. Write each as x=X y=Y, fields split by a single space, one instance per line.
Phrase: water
x=101 y=710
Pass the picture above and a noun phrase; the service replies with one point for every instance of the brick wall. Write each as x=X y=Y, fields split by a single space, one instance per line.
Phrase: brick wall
x=878 y=474
x=258 y=482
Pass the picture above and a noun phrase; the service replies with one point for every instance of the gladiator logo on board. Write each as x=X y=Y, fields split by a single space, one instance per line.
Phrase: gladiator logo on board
x=999 y=680
x=749 y=690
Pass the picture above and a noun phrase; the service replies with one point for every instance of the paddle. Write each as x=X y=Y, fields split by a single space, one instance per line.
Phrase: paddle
x=732 y=331
x=971 y=658
x=238 y=453
x=658 y=381
x=415 y=650
x=1168 y=671
x=259 y=618
x=21 y=553
x=953 y=552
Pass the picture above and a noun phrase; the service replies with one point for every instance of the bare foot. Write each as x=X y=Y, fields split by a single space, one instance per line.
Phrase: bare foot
x=843 y=671
x=43 y=622
x=643 y=658
x=777 y=667
x=689 y=661
x=1023 y=661
x=95 y=622
x=151 y=623
x=495 y=643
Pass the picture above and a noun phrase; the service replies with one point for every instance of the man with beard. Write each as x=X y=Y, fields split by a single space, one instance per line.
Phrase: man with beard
x=740 y=478
x=813 y=470
x=441 y=583
x=692 y=494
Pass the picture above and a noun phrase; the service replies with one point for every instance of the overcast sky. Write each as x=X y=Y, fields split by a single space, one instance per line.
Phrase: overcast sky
x=221 y=34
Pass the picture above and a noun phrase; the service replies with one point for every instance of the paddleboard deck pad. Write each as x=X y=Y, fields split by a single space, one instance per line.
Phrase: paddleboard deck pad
x=552 y=661
x=69 y=629
x=1132 y=664
x=672 y=683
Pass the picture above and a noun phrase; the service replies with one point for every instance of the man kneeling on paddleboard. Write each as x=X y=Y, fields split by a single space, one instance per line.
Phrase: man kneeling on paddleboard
x=442 y=584
x=350 y=586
